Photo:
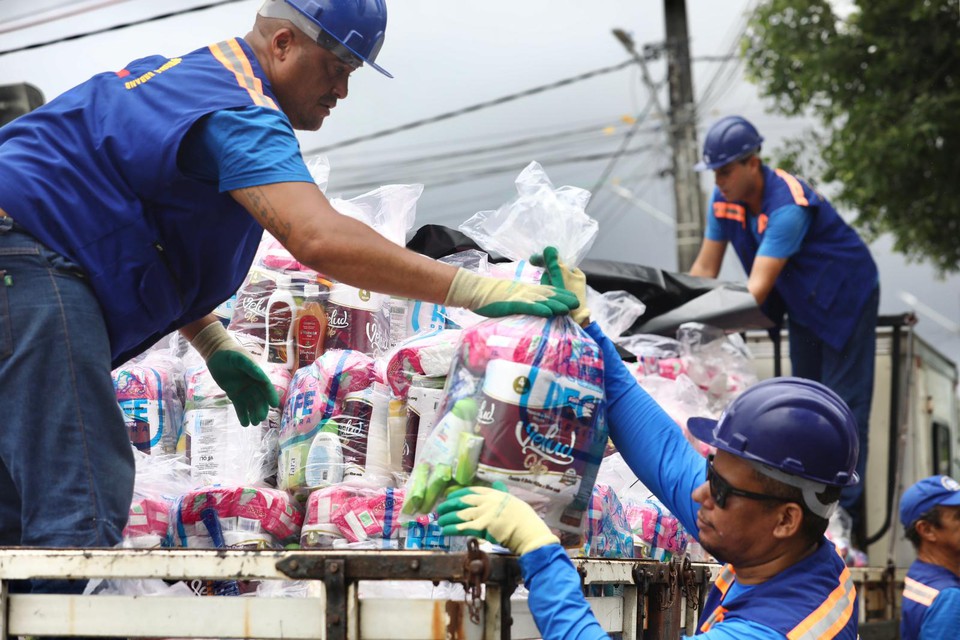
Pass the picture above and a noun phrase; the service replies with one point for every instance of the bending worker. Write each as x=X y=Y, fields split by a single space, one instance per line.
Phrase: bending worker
x=132 y=205
x=930 y=513
x=801 y=258
x=785 y=447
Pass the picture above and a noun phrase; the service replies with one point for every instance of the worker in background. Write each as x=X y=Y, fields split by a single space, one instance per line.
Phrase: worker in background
x=930 y=514
x=801 y=259
x=132 y=205
x=761 y=505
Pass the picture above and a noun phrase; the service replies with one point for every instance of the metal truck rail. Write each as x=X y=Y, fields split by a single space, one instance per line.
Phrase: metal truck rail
x=652 y=599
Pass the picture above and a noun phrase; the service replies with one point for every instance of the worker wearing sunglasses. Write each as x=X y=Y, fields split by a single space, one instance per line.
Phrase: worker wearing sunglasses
x=761 y=504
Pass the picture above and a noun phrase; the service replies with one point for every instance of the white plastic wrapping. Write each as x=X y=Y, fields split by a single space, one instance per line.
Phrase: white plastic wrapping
x=540 y=215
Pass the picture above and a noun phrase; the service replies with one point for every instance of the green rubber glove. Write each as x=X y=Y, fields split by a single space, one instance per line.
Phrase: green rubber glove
x=495 y=298
x=496 y=516
x=247 y=386
x=559 y=275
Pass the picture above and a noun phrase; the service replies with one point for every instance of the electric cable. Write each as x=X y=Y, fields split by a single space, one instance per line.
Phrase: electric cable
x=472 y=108
x=601 y=181
x=124 y=25
x=462 y=176
x=55 y=13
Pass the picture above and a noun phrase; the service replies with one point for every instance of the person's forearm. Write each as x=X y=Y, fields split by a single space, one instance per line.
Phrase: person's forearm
x=701 y=271
x=651 y=443
x=191 y=330
x=556 y=600
x=352 y=252
x=304 y=221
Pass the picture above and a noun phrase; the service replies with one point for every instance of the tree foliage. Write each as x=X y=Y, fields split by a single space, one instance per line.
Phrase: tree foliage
x=884 y=85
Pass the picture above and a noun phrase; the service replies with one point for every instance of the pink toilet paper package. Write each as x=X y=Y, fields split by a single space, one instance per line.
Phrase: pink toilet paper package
x=523 y=406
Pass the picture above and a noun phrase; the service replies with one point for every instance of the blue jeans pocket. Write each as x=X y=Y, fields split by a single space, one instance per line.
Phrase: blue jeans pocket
x=6 y=332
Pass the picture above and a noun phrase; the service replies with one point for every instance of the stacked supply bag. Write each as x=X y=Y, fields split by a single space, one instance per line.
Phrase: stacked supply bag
x=388 y=405
x=523 y=402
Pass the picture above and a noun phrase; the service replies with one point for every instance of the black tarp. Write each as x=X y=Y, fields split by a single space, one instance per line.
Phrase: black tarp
x=671 y=298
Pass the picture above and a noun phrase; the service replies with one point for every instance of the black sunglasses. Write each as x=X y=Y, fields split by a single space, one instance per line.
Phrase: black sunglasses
x=720 y=489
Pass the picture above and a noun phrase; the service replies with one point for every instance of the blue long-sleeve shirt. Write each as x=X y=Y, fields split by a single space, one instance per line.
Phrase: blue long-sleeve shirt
x=653 y=446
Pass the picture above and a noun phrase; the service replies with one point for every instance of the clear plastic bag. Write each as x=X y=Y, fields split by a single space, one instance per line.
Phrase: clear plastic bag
x=312 y=452
x=523 y=405
x=540 y=215
x=159 y=481
x=614 y=311
x=218 y=448
x=239 y=517
x=345 y=516
x=718 y=362
x=523 y=402
x=151 y=393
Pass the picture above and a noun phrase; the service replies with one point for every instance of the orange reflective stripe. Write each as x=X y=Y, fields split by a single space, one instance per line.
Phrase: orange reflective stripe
x=725 y=579
x=796 y=189
x=762 y=220
x=715 y=618
x=729 y=211
x=919 y=592
x=231 y=56
x=831 y=616
x=722 y=583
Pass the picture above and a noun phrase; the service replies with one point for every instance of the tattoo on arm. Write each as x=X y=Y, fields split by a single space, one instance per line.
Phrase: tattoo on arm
x=265 y=213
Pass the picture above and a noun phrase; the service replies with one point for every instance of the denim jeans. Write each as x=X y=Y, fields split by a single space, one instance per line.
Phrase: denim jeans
x=850 y=374
x=66 y=465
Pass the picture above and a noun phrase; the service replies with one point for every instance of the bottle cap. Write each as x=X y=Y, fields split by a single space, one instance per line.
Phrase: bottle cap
x=284 y=280
x=311 y=290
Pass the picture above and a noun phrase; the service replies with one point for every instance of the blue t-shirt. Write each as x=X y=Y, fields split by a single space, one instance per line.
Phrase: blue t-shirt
x=671 y=470
x=246 y=147
x=942 y=619
x=786 y=229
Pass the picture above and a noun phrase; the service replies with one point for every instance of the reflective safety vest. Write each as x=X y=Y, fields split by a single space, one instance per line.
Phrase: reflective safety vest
x=814 y=599
x=93 y=175
x=923 y=584
x=825 y=285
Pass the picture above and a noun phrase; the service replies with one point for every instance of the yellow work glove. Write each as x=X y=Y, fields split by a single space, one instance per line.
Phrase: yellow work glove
x=496 y=516
x=494 y=298
x=247 y=386
x=558 y=275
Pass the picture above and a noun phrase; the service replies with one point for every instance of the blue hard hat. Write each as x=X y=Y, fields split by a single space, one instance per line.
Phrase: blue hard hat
x=797 y=426
x=729 y=139
x=925 y=495
x=352 y=29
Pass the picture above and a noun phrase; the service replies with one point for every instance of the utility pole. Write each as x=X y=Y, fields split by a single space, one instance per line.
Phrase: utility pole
x=683 y=135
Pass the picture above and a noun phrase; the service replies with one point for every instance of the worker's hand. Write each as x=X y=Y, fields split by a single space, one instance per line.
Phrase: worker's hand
x=247 y=386
x=494 y=298
x=495 y=515
x=559 y=275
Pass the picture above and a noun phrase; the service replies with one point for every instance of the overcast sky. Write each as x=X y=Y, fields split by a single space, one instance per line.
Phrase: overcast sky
x=448 y=55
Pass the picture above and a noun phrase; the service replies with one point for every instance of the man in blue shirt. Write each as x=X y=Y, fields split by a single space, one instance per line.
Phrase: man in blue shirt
x=930 y=514
x=132 y=205
x=801 y=259
x=785 y=447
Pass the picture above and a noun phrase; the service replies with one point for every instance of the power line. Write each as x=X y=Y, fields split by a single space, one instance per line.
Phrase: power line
x=117 y=27
x=472 y=108
x=467 y=158
x=459 y=176
x=58 y=12
x=623 y=147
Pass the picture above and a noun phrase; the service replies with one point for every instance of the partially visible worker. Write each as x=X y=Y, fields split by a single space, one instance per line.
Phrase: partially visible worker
x=801 y=259
x=132 y=205
x=930 y=514
x=785 y=448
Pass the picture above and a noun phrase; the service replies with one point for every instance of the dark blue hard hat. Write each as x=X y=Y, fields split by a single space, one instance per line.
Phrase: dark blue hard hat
x=352 y=29
x=797 y=426
x=729 y=139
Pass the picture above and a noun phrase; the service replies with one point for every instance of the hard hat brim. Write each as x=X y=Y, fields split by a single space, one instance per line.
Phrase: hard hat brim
x=703 y=429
